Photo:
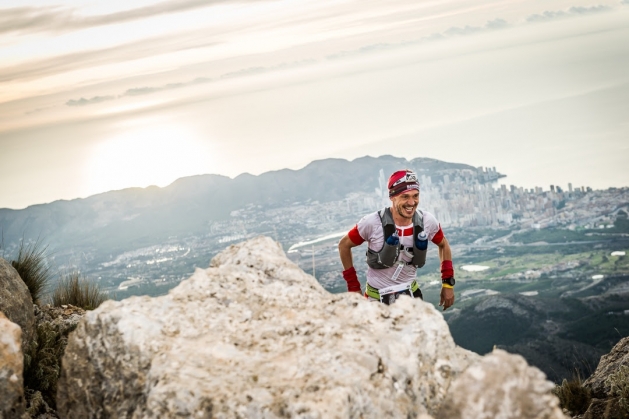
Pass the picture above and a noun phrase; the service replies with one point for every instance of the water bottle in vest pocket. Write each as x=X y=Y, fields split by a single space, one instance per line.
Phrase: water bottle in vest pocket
x=419 y=252
x=387 y=256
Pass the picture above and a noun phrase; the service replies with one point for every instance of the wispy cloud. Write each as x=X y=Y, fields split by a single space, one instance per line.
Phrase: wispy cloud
x=573 y=11
x=83 y=101
x=494 y=24
x=146 y=90
x=136 y=91
x=115 y=54
x=468 y=30
x=624 y=2
x=31 y=19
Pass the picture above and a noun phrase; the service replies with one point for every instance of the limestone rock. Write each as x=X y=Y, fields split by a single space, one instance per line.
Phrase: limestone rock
x=16 y=303
x=501 y=386
x=254 y=336
x=608 y=365
x=605 y=406
x=54 y=324
x=60 y=318
x=11 y=364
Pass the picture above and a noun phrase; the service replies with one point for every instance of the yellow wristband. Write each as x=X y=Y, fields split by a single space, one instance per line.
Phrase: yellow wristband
x=447 y=286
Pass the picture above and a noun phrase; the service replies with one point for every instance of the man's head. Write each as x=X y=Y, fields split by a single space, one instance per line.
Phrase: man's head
x=404 y=193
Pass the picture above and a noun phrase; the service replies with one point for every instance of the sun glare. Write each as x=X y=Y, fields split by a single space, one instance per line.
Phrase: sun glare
x=144 y=157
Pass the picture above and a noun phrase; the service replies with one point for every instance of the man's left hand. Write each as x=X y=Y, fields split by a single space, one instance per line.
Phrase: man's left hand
x=447 y=297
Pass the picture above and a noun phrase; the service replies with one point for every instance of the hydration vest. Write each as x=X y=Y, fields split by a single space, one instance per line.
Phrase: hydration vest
x=389 y=254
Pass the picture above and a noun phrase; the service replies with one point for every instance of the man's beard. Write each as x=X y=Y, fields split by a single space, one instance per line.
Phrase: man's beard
x=400 y=210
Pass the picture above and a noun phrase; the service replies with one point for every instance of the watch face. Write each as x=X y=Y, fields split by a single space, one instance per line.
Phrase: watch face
x=449 y=281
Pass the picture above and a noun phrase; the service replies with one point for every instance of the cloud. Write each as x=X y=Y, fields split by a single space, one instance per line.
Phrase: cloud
x=245 y=71
x=146 y=90
x=573 y=11
x=136 y=91
x=468 y=30
x=31 y=19
x=28 y=18
x=624 y=2
x=115 y=54
x=495 y=24
x=91 y=101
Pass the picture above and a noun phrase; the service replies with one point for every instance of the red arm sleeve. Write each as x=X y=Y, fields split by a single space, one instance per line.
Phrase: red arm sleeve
x=354 y=236
x=438 y=237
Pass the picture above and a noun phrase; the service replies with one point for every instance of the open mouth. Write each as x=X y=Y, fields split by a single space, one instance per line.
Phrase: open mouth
x=408 y=210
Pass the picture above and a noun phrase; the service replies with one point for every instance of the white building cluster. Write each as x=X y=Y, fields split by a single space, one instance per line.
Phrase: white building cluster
x=464 y=201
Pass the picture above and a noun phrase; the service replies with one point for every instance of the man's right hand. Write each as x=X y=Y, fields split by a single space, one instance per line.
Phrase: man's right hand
x=349 y=275
x=446 y=298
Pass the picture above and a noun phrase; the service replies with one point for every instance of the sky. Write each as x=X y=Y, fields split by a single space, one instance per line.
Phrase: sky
x=97 y=96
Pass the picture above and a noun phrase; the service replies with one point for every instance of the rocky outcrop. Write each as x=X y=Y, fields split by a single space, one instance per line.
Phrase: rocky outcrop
x=604 y=405
x=501 y=386
x=16 y=303
x=608 y=365
x=54 y=324
x=11 y=364
x=253 y=336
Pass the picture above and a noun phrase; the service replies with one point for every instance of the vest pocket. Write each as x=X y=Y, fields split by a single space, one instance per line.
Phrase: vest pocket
x=419 y=257
x=385 y=258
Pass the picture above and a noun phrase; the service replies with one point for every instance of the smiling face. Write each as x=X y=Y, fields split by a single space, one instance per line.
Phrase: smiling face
x=404 y=205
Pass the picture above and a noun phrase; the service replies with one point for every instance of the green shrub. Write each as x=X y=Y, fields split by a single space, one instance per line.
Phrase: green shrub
x=78 y=291
x=573 y=396
x=32 y=267
x=618 y=384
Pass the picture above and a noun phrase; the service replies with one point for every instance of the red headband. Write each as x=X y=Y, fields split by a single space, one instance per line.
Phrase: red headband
x=402 y=181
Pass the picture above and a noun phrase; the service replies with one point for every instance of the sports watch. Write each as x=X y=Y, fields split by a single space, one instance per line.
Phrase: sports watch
x=449 y=281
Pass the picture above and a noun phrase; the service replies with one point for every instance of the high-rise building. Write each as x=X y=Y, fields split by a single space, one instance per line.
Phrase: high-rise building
x=569 y=187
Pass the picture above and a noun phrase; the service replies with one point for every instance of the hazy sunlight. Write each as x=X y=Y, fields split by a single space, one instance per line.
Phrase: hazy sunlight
x=146 y=156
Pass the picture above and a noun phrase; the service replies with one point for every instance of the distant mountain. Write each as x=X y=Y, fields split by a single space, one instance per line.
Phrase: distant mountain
x=140 y=216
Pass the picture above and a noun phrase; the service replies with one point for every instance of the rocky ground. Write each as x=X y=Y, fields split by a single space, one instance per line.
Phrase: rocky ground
x=253 y=336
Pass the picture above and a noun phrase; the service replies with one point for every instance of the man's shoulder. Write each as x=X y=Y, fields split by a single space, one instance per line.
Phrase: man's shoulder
x=428 y=217
x=371 y=218
x=425 y=214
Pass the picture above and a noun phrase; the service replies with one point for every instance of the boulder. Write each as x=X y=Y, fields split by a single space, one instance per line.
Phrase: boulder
x=12 y=402
x=253 y=336
x=608 y=365
x=604 y=405
x=501 y=386
x=54 y=324
x=16 y=303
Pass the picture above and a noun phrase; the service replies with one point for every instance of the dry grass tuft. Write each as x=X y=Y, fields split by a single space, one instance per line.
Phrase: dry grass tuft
x=32 y=267
x=78 y=291
x=573 y=396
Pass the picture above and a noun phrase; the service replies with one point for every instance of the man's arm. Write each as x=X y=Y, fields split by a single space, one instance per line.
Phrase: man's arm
x=345 y=252
x=445 y=255
x=349 y=273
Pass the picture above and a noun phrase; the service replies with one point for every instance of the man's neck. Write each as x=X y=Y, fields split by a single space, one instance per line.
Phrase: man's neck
x=399 y=220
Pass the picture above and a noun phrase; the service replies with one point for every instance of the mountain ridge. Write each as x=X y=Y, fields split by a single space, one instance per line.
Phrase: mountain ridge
x=191 y=203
